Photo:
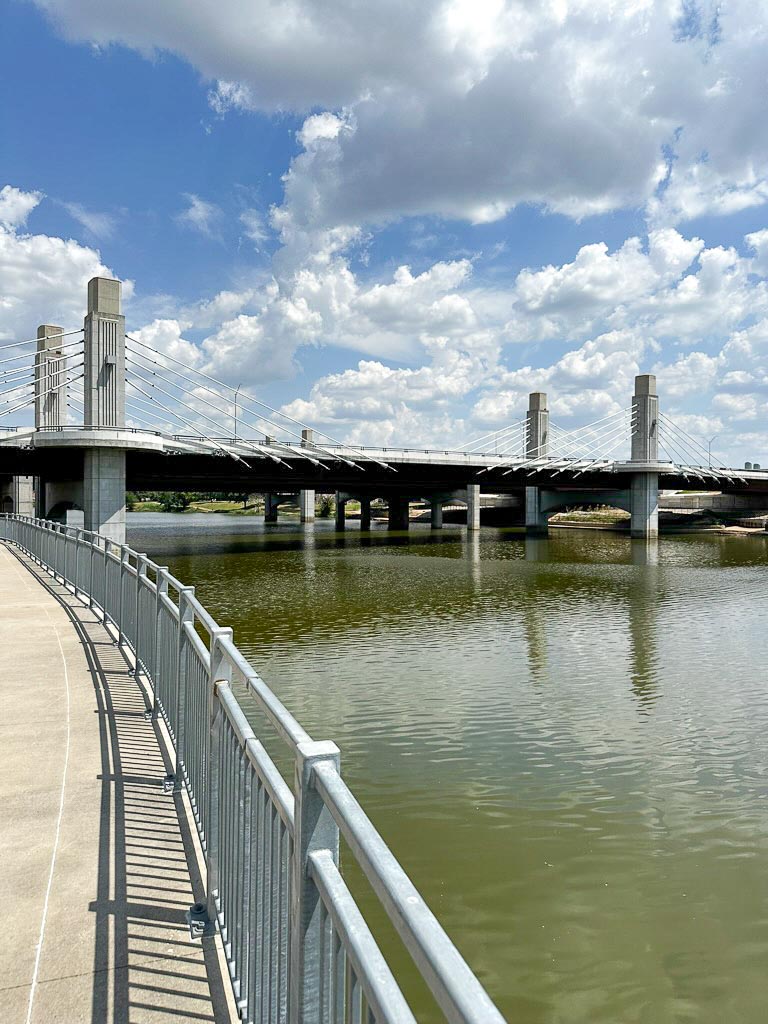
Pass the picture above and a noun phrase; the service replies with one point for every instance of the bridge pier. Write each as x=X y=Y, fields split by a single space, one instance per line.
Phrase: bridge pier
x=307 y=506
x=341 y=510
x=365 y=515
x=644 y=494
x=537 y=446
x=536 y=519
x=398 y=512
x=473 y=506
x=307 y=496
x=271 y=504
x=436 y=514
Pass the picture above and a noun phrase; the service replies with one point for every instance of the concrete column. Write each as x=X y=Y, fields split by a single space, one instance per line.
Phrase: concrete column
x=644 y=496
x=271 y=504
x=23 y=495
x=104 y=382
x=436 y=514
x=537 y=446
x=536 y=521
x=307 y=497
x=644 y=505
x=365 y=515
x=341 y=504
x=50 y=378
x=473 y=506
x=398 y=512
x=104 y=492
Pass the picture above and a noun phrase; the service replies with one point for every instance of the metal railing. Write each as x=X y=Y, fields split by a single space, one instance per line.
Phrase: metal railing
x=297 y=945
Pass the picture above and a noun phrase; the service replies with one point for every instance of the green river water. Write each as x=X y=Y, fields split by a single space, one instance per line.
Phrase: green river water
x=563 y=741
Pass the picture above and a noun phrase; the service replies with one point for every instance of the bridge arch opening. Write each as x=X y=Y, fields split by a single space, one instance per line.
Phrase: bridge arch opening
x=7 y=505
x=58 y=512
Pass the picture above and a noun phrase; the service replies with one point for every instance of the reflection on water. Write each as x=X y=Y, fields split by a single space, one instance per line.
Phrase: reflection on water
x=563 y=739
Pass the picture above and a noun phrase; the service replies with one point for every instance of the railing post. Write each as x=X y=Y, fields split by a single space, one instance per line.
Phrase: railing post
x=186 y=614
x=123 y=563
x=220 y=672
x=315 y=829
x=77 y=561
x=90 y=572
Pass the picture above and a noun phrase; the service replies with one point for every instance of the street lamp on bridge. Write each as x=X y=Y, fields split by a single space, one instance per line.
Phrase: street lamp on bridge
x=237 y=389
x=709 y=449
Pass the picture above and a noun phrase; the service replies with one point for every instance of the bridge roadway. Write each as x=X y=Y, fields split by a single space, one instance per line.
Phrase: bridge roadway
x=97 y=865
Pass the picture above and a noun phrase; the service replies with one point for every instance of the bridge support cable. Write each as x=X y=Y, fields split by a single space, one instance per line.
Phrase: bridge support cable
x=682 y=457
x=34 y=341
x=189 y=393
x=260 y=449
x=31 y=384
x=245 y=397
x=574 y=445
x=593 y=451
x=26 y=355
x=686 y=439
x=573 y=440
x=210 y=440
x=603 y=460
x=33 y=399
x=496 y=435
x=599 y=450
x=245 y=418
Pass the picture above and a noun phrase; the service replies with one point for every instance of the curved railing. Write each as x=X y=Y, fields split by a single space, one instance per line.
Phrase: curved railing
x=297 y=945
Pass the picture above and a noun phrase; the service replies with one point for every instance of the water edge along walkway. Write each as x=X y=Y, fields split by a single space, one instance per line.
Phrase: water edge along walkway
x=94 y=861
x=297 y=948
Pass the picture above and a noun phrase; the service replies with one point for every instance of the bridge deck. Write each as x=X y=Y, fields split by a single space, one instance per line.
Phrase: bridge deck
x=97 y=866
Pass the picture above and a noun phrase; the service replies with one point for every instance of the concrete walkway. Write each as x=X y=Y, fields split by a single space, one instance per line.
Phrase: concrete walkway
x=96 y=866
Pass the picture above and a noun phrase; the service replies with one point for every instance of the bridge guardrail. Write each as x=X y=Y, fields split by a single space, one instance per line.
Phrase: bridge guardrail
x=298 y=947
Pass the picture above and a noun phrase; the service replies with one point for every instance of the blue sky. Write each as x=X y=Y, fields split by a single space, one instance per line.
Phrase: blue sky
x=395 y=221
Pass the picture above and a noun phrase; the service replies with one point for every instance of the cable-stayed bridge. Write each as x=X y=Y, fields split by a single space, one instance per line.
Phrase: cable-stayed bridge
x=111 y=412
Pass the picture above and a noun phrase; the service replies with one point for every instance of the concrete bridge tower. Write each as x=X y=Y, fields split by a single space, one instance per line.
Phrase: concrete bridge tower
x=104 y=387
x=644 y=496
x=50 y=378
x=537 y=447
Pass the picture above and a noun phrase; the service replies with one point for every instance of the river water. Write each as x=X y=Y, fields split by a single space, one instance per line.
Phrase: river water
x=563 y=741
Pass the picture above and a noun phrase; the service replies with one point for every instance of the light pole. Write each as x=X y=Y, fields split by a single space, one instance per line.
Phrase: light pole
x=709 y=449
x=237 y=389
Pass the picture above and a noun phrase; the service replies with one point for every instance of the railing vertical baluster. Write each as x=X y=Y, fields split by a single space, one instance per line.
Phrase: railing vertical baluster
x=141 y=572
x=220 y=671
x=90 y=571
x=186 y=614
x=314 y=829
x=161 y=587
x=120 y=609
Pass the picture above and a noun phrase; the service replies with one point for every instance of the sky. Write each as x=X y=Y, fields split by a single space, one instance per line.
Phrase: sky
x=395 y=220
